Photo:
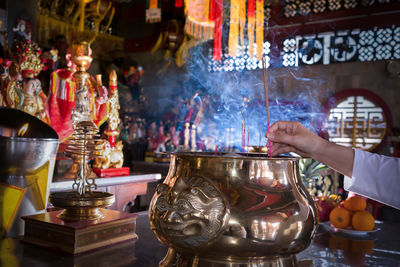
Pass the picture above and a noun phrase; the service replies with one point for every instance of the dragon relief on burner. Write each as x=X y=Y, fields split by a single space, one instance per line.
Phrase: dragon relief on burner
x=192 y=213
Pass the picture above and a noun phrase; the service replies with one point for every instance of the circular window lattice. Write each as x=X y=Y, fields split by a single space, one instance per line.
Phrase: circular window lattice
x=370 y=121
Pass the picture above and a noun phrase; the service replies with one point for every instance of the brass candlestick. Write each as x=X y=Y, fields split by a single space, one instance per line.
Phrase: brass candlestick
x=82 y=204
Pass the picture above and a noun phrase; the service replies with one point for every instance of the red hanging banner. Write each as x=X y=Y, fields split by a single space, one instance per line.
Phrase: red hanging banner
x=242 y=21
x=259 y=27
x=251 y=10
x=233 y=40
x=216 y=14
x=178 y=3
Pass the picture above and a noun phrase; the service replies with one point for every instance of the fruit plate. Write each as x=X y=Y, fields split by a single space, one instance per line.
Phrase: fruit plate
x=352 y=232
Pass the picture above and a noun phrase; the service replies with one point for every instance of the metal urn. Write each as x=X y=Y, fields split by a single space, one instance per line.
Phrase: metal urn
x=232 y=209
x=28 y=153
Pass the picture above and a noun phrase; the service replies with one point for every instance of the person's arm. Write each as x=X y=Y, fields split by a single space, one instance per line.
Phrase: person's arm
x=368 y=174
x=376 y=177
x=290 y=136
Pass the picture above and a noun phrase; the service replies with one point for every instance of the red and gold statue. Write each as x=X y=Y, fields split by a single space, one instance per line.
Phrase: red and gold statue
x=109 y=161
x=61 y=100
x=23 y=89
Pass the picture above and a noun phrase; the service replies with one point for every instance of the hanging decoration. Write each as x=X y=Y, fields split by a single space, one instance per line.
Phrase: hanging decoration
x=153 y=11
x=217 y=16
x=251 y=6
x=204 y=21
x=234 y=28
x=242 y=21
x=199 y=23
x=259 y=27
x=178 y=3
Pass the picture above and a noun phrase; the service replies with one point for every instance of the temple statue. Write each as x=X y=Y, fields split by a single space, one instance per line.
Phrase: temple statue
x=61 y=100
x=23 y=90
x=110 y=155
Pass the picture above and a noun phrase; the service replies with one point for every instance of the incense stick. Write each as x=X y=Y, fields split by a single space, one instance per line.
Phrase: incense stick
x=265 y=75
x=243 y=132
x=248 y=141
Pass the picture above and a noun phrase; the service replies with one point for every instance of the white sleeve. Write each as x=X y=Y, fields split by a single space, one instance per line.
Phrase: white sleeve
x=376 y=177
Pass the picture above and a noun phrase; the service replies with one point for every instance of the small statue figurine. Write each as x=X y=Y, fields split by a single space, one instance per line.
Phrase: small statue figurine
x=161 y=139
x=109 y=157
x=24 y=91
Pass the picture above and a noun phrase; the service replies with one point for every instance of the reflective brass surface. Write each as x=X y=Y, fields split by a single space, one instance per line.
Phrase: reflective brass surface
x=21 y=155
x=233 y=209
x=81 y=207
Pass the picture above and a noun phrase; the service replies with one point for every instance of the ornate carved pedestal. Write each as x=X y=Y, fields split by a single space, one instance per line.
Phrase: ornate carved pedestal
x=75 y=237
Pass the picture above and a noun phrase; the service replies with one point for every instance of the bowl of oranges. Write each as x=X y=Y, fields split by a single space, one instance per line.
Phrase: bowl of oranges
x=352 y=217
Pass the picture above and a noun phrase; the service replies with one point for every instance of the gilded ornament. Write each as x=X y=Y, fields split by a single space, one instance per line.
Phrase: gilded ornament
x=24 y=91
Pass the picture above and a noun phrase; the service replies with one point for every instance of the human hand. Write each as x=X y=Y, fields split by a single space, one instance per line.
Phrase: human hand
x=292 y=136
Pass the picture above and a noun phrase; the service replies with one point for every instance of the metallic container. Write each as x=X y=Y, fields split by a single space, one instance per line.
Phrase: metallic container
x=233 y=209
x=22 y=158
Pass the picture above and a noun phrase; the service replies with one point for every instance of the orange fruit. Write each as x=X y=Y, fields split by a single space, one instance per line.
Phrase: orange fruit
x=363 y=221
x=355 y=203
x=340 y=217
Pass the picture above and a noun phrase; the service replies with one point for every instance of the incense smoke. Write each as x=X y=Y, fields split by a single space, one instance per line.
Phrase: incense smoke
x=228 y=96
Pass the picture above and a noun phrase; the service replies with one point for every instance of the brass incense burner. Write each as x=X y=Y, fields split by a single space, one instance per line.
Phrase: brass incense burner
x=83 y=203
x=232 y=209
